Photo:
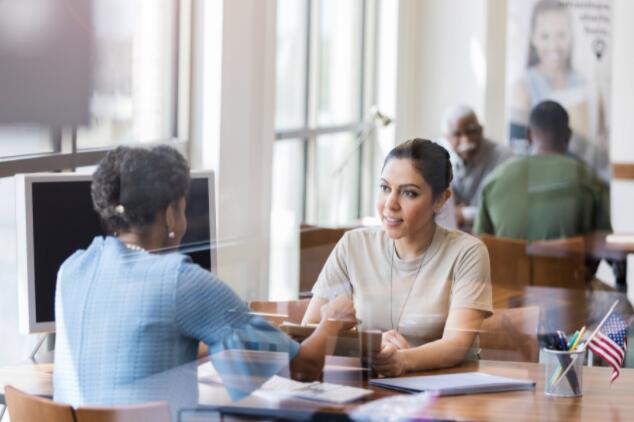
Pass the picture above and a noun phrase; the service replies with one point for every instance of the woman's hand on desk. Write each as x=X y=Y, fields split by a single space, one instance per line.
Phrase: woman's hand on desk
x=390 y=361
x=336 y=315
x=394 y=338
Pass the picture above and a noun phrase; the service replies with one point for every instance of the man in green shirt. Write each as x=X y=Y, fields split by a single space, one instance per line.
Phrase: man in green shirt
x=546 y=195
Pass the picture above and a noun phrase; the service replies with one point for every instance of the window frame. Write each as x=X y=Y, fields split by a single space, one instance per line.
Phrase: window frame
x=361 y=128
x=66 y=156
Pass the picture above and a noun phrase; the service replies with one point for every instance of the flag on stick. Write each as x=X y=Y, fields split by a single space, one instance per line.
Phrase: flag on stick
x=610 y=343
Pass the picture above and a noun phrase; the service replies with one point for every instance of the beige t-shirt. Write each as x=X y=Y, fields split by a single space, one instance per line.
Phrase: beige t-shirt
x=454 y=272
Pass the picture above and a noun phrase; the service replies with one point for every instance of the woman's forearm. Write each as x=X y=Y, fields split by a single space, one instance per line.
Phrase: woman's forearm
x=313 y=312
x=443 y=353
x=460 y=333
x=309 y=362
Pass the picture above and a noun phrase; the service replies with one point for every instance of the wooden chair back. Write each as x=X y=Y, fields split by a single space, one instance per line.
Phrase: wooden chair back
x=24 y=407
x=559 y=263
x=315 y=245
x=560 y=309
x=280 y=311
x=511 y=335
x=559 y=283
x=147 y=412
x=510 y=268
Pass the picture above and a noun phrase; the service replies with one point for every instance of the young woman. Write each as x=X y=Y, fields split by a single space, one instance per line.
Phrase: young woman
x=426 y=287
x=126 y=310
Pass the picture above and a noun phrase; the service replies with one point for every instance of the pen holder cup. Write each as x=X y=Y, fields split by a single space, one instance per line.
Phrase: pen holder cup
x=563 y=375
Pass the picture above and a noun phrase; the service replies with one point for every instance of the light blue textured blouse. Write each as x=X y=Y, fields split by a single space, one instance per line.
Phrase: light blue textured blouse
x=124 y=316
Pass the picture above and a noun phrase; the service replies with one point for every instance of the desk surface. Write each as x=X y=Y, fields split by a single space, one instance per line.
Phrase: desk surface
x=599 y=401
x=597 y=247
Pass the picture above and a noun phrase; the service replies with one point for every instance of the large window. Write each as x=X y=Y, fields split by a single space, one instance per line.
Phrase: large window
x=139 y=95
x=324 y=165
x=321 y=83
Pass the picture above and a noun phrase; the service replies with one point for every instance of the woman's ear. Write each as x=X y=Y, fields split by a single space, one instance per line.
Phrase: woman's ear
x=440 y=201
x=170 y=216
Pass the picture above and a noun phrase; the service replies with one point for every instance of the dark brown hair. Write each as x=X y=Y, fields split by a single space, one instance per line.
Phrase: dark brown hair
x=430 y=159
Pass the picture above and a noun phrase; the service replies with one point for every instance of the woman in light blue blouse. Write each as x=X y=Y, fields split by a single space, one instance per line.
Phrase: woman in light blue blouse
x=126 y=314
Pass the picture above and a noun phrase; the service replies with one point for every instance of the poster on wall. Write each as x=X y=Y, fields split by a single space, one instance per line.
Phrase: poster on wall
x=561 y=51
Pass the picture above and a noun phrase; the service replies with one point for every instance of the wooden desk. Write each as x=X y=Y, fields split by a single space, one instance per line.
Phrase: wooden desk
x=600 y=401
x=615 y=253
x=33 y=378
x=595 y=249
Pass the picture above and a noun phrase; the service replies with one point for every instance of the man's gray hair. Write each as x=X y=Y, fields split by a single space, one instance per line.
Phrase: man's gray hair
x=453 y=114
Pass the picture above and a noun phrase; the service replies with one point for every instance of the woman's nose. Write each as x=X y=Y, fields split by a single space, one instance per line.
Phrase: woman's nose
x=392 y=201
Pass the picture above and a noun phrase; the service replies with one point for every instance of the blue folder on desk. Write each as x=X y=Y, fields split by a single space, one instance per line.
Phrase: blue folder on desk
x=454 y=384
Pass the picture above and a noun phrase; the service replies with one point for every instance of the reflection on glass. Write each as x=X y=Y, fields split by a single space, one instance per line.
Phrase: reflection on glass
x=286 y=216
x=135 y=70
x=291 y=64
x=15 y=140
x=337 y=174
x=339 y=67
x=13 y=344
x=387 y=40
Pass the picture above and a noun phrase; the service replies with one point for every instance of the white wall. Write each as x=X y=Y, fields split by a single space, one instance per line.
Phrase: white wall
x=495 y=91
x=621 y=145
x=450 y=52
x=233 y=108
x=15 y=346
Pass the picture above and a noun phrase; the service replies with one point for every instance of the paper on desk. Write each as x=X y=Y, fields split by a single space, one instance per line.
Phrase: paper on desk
x=278 y=388
x=207 y=374
x=394 y=408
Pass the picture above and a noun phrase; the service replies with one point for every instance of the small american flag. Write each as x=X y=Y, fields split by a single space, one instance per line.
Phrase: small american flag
x=611 y=343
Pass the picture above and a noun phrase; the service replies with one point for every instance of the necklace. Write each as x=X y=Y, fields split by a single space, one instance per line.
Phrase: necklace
x=134 y=247
x=411 y=286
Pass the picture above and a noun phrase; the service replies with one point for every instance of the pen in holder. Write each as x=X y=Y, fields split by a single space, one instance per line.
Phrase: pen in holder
x=563 y=376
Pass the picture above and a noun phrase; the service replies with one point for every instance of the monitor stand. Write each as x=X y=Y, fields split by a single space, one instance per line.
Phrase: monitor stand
x=50 y=344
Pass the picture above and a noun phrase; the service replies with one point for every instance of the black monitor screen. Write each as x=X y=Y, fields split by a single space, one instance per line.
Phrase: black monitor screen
x=64 y=221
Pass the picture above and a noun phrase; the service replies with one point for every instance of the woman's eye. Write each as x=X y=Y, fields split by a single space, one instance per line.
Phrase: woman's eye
x=410 y=194
x=384 y=188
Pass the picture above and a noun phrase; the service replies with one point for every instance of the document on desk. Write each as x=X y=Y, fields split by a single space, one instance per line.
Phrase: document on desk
x=454 y=384
x=280 y=387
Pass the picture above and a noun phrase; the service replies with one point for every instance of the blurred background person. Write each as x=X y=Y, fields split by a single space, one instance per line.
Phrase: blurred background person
x=472 y=156
x=545 y=195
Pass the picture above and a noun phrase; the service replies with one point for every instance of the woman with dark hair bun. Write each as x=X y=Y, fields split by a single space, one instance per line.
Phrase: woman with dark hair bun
x=426 y=287
x=127 y=308
x=140 y=196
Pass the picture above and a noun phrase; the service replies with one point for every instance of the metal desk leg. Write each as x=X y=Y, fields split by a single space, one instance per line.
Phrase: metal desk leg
x=620 y=274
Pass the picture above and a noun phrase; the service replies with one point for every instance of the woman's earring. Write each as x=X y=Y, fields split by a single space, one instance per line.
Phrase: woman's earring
x=171 y=235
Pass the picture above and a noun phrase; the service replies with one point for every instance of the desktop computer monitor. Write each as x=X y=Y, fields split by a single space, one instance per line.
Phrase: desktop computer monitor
x=55 y=217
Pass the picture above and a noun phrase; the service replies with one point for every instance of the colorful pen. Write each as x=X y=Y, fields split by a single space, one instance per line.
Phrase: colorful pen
x=576 y=342
x=562 y=340
x=572 y=340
